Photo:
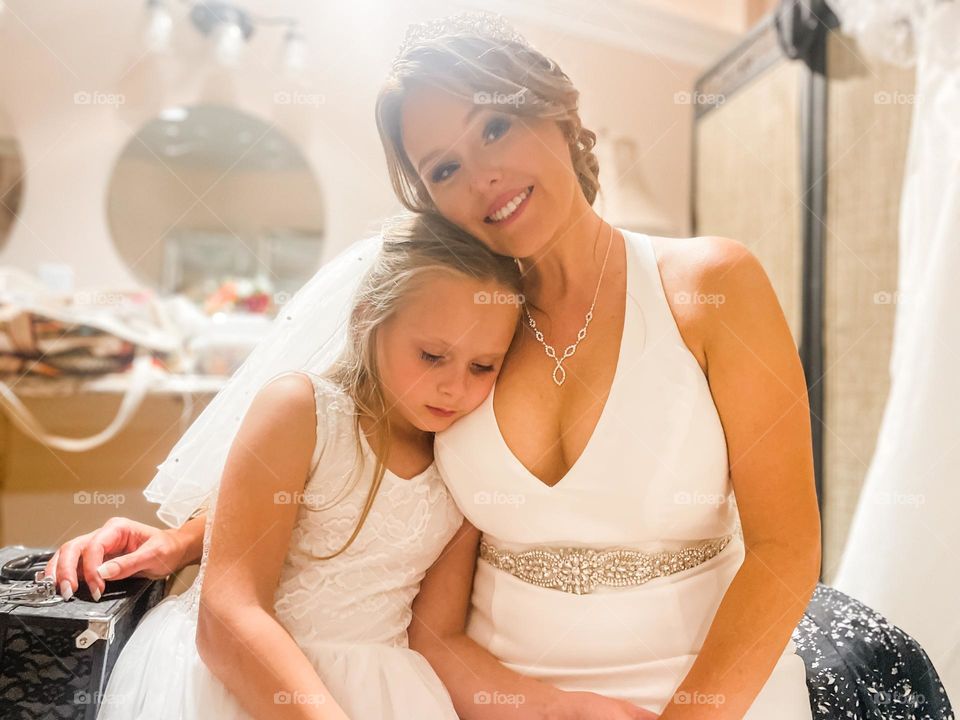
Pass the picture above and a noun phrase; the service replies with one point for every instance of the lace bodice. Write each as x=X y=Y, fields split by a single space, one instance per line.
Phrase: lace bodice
x=363 y=595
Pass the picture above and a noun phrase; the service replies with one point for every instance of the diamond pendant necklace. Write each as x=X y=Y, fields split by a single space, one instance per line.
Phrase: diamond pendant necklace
x=559 y=372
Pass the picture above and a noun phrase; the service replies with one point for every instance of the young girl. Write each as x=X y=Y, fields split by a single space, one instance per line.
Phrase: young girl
x=311 y=560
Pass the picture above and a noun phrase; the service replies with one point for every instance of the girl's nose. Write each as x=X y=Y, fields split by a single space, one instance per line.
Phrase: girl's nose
x=453 y=383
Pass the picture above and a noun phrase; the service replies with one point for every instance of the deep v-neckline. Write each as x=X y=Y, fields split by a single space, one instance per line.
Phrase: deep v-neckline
x=629 y=289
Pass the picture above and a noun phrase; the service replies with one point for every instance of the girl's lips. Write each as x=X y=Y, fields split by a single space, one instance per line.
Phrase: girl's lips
x=440 y=413
x=516 y=213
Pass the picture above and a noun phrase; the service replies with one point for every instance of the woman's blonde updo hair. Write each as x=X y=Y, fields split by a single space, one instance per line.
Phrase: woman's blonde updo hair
x=479 y=57
x=415 y=247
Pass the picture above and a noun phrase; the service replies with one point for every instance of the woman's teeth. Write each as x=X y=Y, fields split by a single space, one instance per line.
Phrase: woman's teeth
x=508 y=209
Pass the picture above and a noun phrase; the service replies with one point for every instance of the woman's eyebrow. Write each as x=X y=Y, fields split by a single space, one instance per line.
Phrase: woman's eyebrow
x=466 y=119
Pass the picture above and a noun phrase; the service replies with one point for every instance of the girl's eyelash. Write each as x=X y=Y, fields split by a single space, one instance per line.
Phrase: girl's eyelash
x=433 y=359
x=437 y=175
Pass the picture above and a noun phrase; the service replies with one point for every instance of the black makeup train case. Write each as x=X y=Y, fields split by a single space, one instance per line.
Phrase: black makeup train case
x=56 y=655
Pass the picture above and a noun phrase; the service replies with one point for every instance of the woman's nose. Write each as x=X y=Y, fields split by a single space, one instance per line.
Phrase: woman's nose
x=486 y=176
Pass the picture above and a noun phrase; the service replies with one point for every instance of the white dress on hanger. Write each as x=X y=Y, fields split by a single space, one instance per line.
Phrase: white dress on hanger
x=907 y=506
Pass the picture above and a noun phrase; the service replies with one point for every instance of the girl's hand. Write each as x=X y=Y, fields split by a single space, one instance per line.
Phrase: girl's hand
x=592 y=706
x=128 y=547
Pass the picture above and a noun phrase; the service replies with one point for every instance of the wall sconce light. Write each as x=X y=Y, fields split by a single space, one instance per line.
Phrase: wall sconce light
x=159 y=26
x=294 y=56
x=229 y=28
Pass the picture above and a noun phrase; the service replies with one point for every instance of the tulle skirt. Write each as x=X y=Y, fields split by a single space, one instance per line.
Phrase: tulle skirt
x=159 y=676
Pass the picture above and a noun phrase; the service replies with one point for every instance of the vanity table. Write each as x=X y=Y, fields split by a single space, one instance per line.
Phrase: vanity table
x=49 y=496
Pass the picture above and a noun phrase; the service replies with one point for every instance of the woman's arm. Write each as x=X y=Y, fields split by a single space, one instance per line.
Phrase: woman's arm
x=190 y=537
x=238 y=635
x=122 y=548
x=481 y=687
x=758 y=386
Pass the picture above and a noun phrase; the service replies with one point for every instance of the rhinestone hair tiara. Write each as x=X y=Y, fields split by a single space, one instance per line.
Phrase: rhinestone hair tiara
x=473 y=22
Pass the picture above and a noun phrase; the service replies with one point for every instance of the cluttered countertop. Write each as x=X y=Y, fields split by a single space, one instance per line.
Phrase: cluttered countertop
x=131 y=343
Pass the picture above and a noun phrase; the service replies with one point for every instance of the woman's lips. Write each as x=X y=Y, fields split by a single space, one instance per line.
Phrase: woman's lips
x=516 y=213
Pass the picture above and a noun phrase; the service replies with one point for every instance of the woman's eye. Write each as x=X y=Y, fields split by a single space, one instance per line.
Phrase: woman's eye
x=484 y=368
x=493 y=130
x=430 y=358
x=438 y=175
x=496 y=127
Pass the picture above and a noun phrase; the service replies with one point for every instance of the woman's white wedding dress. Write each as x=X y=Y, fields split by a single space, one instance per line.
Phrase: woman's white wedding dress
x=654 y=476
x=349 y=614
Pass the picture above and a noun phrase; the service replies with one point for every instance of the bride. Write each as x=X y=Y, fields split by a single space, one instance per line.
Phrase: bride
x=641 y=519
x=618 y=567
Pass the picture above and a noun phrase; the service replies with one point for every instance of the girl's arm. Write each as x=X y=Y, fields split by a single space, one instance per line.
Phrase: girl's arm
x=481 y=687
x=238 y=635
x=760 y=392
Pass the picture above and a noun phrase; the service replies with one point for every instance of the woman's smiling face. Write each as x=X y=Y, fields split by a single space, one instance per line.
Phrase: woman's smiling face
x=477 y=162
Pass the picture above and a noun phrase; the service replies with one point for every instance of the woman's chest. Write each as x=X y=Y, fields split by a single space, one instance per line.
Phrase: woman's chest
x=547 y=408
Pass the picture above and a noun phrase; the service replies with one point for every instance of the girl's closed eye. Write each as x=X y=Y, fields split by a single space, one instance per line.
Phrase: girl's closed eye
x=494 y=129
x=434 y=359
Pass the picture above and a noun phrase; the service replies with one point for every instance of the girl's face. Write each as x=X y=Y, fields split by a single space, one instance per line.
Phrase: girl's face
x=440 y=352
x=474 y=159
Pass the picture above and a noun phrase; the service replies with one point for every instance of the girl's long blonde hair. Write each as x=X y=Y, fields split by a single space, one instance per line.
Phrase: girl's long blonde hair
x=481 y=68
x=414 y=247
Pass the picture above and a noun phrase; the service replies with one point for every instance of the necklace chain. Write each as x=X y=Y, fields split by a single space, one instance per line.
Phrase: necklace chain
x=559 y=372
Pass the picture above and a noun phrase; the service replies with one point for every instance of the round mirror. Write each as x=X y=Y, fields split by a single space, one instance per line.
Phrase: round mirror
x=216 y=205
x=11 y=178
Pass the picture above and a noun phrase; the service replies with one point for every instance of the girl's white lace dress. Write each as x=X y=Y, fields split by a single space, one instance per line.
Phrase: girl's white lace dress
x=349 y=614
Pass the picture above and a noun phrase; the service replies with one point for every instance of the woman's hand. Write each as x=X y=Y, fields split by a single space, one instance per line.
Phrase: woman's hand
x=588 y=705
x=122 y=548
x=438 y=632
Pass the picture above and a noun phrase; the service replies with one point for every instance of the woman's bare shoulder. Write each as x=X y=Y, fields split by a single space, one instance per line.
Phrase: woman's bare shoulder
x=688 y=269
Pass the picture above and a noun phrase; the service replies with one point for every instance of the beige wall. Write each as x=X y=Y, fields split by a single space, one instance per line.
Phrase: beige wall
x=753 y=10
x=736 y=16
x=631 y=95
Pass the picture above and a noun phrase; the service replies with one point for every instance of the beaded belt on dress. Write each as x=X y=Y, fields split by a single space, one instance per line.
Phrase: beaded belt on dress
x=582 y=570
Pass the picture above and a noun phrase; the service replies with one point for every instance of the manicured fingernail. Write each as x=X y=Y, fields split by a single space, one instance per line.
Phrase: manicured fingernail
x=65 y=590
x=96 y=594
x=107 y=570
